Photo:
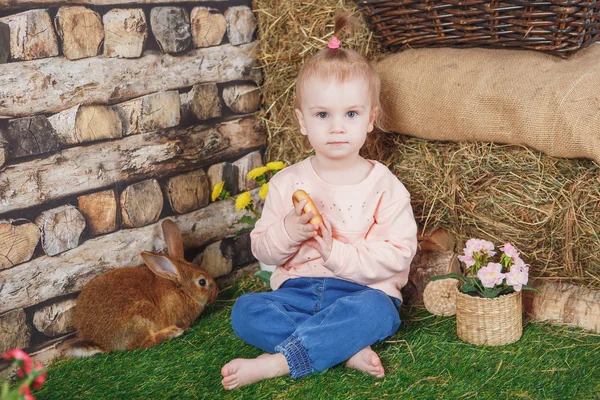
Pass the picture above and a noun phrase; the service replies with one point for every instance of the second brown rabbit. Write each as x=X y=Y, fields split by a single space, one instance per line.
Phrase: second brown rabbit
x=137 y=307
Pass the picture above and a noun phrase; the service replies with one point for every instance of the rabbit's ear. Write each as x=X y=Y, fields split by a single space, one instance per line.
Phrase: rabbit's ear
x=172 y=236
x=162 y=266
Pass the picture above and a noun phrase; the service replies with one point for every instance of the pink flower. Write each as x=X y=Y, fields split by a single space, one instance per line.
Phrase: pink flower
x=25 y=361
x=510 y=251
x=479 y=246
x=517 y=277
x=26 y=393
x=468 y=260
x=41 y=378
x=491 y=275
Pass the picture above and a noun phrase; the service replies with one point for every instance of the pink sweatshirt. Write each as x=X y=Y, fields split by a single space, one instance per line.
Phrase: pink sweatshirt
x=374 y=231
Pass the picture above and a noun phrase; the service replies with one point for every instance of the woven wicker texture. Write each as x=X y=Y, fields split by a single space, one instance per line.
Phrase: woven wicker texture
x=491 y=322
x=556 y=26
x=439 y=297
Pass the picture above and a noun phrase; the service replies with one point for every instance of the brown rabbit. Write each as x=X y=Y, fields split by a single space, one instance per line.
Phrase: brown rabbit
x=138 y=307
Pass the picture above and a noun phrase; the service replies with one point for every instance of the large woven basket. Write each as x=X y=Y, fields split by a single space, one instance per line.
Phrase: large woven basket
x=560 y=27
x=492 y=322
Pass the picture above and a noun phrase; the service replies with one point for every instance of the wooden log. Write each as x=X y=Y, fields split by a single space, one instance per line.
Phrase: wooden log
x=171 y=28
x=29 y=136
x=150 y=113
x=18 y=239
x=425 y=265
x=53 y=85
x=214 y=260
x=4 y=42
x=31 y=35
x=100 y=211
x=242 y=251
x=125 y=32
x=188 y=192
x=130 y=159
x=82 y=124
x=56 y=318
x=80 y=30
x=224 y=172
x=3 y=152
x=242 y=98
x=46 y=277
x=14 y=331
x=208 y=26
x=241 y=24
x=61 y=229
x=564 y=303
x=436 y=240
x=205 y=102
x=245 y=165
x=141 y=204
x=20 y=4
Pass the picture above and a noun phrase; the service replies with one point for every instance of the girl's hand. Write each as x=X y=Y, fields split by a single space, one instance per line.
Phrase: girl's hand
x=324 y=243
x=297 y=225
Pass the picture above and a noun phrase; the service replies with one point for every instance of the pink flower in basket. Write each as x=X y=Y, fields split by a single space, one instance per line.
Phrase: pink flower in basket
x=491 y=275
x=517 y=277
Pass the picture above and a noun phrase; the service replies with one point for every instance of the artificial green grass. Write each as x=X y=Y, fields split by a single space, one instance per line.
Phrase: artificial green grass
x=424 y=360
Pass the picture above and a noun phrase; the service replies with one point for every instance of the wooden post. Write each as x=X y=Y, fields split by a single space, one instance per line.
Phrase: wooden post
x=4 y=42
x=150 y=113
x=141 y=204
x=30 y=136
x=100 y=211
x=31 y=35
x=171 y=28
x=61 y=229
x=245 y=165
x=224 y=172
x=205 y=102
x=208 y=26
x=242 y=98
x=28 y=88
x=82 y=124
x=80 y=30
x=14 y=331
x=125 y=32
x=188 y=192
x=425 y=265
x=18 y=239
x=240 y=24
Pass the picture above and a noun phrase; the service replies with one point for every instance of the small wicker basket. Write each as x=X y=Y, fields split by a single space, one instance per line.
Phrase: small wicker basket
x=492 y=322
x=561 y=27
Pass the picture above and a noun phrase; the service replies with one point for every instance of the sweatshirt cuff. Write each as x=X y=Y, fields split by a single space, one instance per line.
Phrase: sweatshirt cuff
x=281 y=238
x=337 y=258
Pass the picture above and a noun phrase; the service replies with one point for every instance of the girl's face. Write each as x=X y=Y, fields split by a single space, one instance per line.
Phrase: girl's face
x=336 y=116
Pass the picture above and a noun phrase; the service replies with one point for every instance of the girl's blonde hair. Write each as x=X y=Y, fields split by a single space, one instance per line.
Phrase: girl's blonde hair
x=342 y=64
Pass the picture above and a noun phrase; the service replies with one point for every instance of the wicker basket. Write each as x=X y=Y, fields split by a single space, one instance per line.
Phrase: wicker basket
x=556 y=26
x=491 y=322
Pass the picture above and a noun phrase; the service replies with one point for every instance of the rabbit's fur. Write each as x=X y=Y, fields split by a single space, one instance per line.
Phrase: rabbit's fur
x=138 y=307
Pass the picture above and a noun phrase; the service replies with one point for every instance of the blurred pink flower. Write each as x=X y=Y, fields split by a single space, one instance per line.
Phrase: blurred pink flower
x=26 y=392
x=510 y=250
x=517 y=277
x=491 y=275
x=468 y=260
x=479 y=245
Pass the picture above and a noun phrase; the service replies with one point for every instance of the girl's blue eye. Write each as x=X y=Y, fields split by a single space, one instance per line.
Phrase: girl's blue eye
x=322 y=114
x=351 y=114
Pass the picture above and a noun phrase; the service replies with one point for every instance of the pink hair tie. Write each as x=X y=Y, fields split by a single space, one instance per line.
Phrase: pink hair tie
x=334 y=43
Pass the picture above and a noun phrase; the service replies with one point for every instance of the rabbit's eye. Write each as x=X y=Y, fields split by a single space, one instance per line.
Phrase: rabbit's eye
x=202 y=282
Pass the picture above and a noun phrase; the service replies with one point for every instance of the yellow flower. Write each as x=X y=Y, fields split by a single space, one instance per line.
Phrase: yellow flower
x=264 y=189
x=257 y=172
x=243 y=201
x=217 y=190
x=276 y=165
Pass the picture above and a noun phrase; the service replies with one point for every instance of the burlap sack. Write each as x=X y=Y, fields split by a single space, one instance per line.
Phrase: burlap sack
x=504 y=96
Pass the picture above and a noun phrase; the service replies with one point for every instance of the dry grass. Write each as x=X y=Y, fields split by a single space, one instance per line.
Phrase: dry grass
x=548 y=207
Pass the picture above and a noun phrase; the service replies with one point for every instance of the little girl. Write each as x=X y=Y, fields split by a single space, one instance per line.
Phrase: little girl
x=336 y=290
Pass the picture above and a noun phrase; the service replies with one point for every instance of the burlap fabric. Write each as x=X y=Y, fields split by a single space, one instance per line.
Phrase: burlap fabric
x=496 y=95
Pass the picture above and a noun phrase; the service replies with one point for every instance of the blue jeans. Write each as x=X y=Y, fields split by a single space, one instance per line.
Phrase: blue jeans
x=315 y=323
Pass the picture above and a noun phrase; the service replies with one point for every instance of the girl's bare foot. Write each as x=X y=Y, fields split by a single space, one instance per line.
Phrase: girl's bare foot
x=243 y=371
x=366 y=360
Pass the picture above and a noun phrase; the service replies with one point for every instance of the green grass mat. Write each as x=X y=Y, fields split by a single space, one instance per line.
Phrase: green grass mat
x=424 y=360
